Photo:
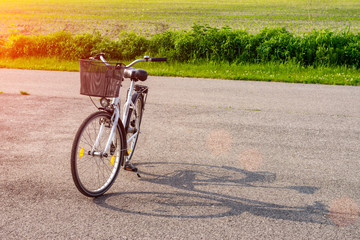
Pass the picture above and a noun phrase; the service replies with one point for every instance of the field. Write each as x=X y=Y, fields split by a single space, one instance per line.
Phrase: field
x=275 y=40
x=155 y=16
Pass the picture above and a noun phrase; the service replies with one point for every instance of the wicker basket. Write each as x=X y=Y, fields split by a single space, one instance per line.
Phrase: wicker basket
x=100 y=80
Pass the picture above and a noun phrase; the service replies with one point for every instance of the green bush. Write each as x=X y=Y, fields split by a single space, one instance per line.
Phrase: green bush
x=163 y=44
x=19 y=46
x=316 y=48
x=87 y=45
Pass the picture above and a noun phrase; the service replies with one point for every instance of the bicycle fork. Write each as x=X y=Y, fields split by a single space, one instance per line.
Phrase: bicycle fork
x=114 y=120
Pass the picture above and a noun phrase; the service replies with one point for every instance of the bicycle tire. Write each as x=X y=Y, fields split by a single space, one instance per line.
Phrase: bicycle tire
x=94 y=175
x=134 y=121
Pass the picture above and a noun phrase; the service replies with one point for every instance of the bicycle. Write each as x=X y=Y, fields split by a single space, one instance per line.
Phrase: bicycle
x=104 y=143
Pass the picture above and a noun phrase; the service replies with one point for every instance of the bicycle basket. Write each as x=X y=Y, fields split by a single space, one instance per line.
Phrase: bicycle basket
x=100 y=80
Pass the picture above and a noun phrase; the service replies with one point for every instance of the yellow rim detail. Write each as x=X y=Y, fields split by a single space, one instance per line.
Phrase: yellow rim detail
x=81 y=153
x=112 y=160
x=129 y=151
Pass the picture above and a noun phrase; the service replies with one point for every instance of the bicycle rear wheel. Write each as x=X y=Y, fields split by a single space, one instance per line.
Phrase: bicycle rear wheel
x=133 y=123
x=93 y=174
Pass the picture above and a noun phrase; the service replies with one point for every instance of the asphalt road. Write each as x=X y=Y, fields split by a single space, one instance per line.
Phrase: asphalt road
x=218 y=159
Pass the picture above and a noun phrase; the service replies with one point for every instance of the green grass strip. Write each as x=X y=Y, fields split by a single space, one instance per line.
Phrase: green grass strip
x=275 y=72
x=272 y=71
x=36 y=63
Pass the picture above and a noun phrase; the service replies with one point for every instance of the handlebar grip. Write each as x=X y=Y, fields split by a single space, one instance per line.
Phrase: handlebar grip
x=159 y=59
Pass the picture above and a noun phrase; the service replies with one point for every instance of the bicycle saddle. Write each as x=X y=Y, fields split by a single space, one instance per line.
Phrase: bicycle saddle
x=135 y=74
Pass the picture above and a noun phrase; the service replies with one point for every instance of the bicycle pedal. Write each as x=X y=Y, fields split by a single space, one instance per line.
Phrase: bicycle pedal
x=130 y=169
x=135 y=170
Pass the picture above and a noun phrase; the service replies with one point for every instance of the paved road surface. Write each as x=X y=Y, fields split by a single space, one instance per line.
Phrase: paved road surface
x=218 y=159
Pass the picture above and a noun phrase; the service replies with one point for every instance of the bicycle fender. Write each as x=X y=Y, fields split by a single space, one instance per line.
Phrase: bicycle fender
x=134 y=97
x=124 y=150
x=137 y=95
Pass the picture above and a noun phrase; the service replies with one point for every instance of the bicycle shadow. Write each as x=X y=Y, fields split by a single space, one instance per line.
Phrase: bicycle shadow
x=193 y=199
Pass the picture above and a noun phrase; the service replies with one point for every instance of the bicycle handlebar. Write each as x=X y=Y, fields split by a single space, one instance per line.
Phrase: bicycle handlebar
x=101 y=56
x=147 y=59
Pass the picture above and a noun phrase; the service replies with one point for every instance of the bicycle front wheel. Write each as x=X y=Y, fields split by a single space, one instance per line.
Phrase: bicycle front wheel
x=94 y=173
x=133 y=123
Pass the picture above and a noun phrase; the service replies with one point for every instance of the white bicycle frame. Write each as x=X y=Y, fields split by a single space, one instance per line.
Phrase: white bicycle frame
x=116 y=116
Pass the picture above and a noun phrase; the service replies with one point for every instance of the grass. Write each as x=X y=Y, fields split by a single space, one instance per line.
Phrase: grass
x=149 y=16
x=276 y=72
x=34 y=63
x=253 y=109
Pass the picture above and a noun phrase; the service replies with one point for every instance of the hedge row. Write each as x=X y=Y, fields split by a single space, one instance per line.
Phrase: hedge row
x=201 y=43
